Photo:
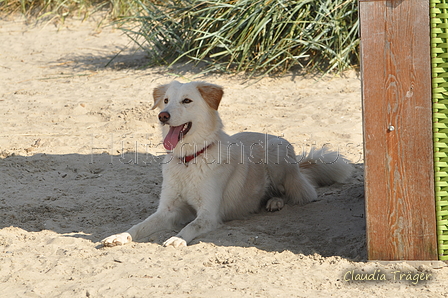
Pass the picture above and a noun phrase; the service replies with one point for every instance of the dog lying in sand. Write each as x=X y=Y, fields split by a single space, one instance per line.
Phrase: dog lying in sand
x=210 y=177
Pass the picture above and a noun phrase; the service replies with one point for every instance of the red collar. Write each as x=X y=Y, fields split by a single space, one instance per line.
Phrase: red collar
x=187 y=159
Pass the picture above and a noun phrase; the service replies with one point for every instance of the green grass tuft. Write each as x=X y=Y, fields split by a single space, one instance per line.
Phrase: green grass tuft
x=252 y=36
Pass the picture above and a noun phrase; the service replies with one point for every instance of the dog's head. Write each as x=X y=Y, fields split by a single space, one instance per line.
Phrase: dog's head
x=188 y=113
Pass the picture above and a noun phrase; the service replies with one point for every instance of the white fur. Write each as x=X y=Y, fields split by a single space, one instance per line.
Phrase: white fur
x=234 y=177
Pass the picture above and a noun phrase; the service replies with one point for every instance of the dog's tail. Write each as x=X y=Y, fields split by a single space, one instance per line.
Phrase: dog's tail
x=323 y=167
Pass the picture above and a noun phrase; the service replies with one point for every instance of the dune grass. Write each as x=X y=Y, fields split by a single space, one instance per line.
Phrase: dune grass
x=251 y=36
x=257 y=37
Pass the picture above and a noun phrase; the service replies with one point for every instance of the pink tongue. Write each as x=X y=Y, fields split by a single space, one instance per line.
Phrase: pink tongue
x=172 y=138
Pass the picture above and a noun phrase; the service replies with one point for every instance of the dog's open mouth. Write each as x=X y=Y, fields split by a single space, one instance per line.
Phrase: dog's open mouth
x=175 y=135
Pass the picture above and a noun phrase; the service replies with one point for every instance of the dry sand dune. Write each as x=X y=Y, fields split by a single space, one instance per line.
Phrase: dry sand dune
x=80 y=151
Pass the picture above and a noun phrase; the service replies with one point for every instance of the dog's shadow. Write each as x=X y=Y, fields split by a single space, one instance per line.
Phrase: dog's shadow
x=73 y=196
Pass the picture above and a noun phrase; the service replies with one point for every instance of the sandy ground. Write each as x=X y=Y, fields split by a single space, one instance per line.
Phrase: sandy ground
x=80 y=151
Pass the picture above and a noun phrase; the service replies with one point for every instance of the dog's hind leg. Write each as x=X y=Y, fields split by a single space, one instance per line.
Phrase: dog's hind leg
x=298 y=189
x=293 y=186
x=275 y=204
x=285 y=176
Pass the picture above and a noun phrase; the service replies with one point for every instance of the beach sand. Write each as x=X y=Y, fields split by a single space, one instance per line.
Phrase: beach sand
x=80 y=160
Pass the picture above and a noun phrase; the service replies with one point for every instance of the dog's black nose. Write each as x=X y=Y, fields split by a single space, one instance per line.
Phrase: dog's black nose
x=164 y=117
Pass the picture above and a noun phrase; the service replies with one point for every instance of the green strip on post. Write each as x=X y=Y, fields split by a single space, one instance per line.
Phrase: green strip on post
x=439 y=60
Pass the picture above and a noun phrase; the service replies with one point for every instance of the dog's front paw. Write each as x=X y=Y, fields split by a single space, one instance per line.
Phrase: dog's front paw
x=275 y=204
x=118 y=239
x=175 y=242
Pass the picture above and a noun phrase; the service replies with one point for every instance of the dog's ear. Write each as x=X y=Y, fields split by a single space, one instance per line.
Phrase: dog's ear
x=158 y=94
x=212 y=94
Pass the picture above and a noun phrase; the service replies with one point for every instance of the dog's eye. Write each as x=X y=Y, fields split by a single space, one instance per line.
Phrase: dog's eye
x=165 y=100
x=187 y=100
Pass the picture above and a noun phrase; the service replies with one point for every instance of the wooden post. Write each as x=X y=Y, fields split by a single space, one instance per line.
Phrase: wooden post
x=397 y=115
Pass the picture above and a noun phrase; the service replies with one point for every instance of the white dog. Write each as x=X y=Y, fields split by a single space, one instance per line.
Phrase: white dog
x=210 y=177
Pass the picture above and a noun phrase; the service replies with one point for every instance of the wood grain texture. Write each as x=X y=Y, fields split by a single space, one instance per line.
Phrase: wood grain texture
x=397 y=113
